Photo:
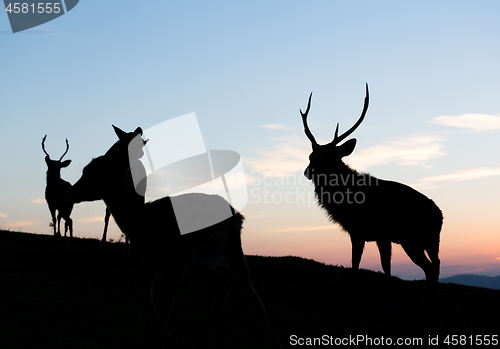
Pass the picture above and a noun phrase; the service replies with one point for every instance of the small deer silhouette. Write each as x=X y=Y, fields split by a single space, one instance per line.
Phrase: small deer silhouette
x=372 y=209
x=55 y=192
x=153 y=229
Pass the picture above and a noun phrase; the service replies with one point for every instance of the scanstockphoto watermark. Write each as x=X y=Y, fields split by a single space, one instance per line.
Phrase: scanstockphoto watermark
x=338 y=197
x=451 y=340
x=295 y=188
x=357 y=340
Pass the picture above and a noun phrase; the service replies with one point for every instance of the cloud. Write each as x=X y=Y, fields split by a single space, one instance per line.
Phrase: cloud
x=38 y=201
x=92 y=219
x=300 y=229
x=407 y=151
x=3 y=215
x=477 y=122
x=275 y=127
x=21 y=224
x=288 y=156
x=291 y=154
x=465 y=175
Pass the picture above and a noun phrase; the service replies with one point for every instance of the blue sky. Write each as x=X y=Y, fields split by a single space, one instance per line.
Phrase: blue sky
x=245 y=68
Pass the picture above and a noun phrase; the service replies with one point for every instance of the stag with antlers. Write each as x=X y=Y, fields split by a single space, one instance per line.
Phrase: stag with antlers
x=372 y=209
x=55 y=192
x=153 y=229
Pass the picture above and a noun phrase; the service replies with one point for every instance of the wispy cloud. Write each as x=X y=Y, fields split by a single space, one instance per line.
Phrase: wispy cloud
x=477 y=122
x=91 y=219
x=275 y=127
x=3 y=215
x=465 y=175
x=300 y=229
x=38 y=201
x=20 y=224
x=407 y=151
x=291 y=154
x=288 y=156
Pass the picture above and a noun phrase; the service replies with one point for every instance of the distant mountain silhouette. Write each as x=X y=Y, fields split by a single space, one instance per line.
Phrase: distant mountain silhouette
x=473 y=280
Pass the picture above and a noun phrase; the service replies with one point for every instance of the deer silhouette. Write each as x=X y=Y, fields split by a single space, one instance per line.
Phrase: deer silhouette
x=153 y=229
x=140 y=191
x=55 y=192
x=372 y=209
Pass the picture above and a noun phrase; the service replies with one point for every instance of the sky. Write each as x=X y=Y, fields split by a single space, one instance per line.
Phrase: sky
x=245 y=68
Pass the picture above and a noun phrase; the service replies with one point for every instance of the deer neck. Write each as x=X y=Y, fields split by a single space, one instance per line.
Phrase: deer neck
x=53 y=175
x=340 y=177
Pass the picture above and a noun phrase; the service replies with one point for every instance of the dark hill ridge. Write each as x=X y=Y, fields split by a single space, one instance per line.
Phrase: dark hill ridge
x=474 y=280
x=69 y=293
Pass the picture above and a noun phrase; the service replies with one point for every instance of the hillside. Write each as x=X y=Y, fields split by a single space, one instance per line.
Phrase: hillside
x=70 y=293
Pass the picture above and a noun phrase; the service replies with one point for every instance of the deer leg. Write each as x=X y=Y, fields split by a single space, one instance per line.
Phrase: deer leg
x=417 y=255
x=357 y=251
x=59 y=224
x=53 y=215
x=238 y=263
x=106 y=222
x=433 y=254
x=385 y=249
x=68 y=223
x=221 y=288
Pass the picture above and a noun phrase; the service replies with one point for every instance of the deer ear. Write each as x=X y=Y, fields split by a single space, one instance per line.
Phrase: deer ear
x=348 y=147
x=65 y=163
x=119 y=132
x=138 y=131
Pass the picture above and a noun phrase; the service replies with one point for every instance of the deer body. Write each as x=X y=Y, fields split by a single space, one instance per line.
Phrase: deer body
x=162 y=242
x=55 y=193
x=385 y=212
x=153 y=229
x=371 y=209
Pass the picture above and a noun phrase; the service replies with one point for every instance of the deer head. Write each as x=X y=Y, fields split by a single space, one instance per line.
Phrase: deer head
x=55 y=165
x=124 y=139
x=327 y=158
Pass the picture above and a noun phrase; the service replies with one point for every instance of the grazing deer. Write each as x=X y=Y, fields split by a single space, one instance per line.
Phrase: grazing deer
x=156 y=236
x=372 y=209
x=55 y=192
x=127 y=136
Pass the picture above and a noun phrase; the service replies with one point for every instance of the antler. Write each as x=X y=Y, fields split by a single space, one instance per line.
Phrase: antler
x=43 y=146
x=336 y=138
x=306 y=127
x=67 y=148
